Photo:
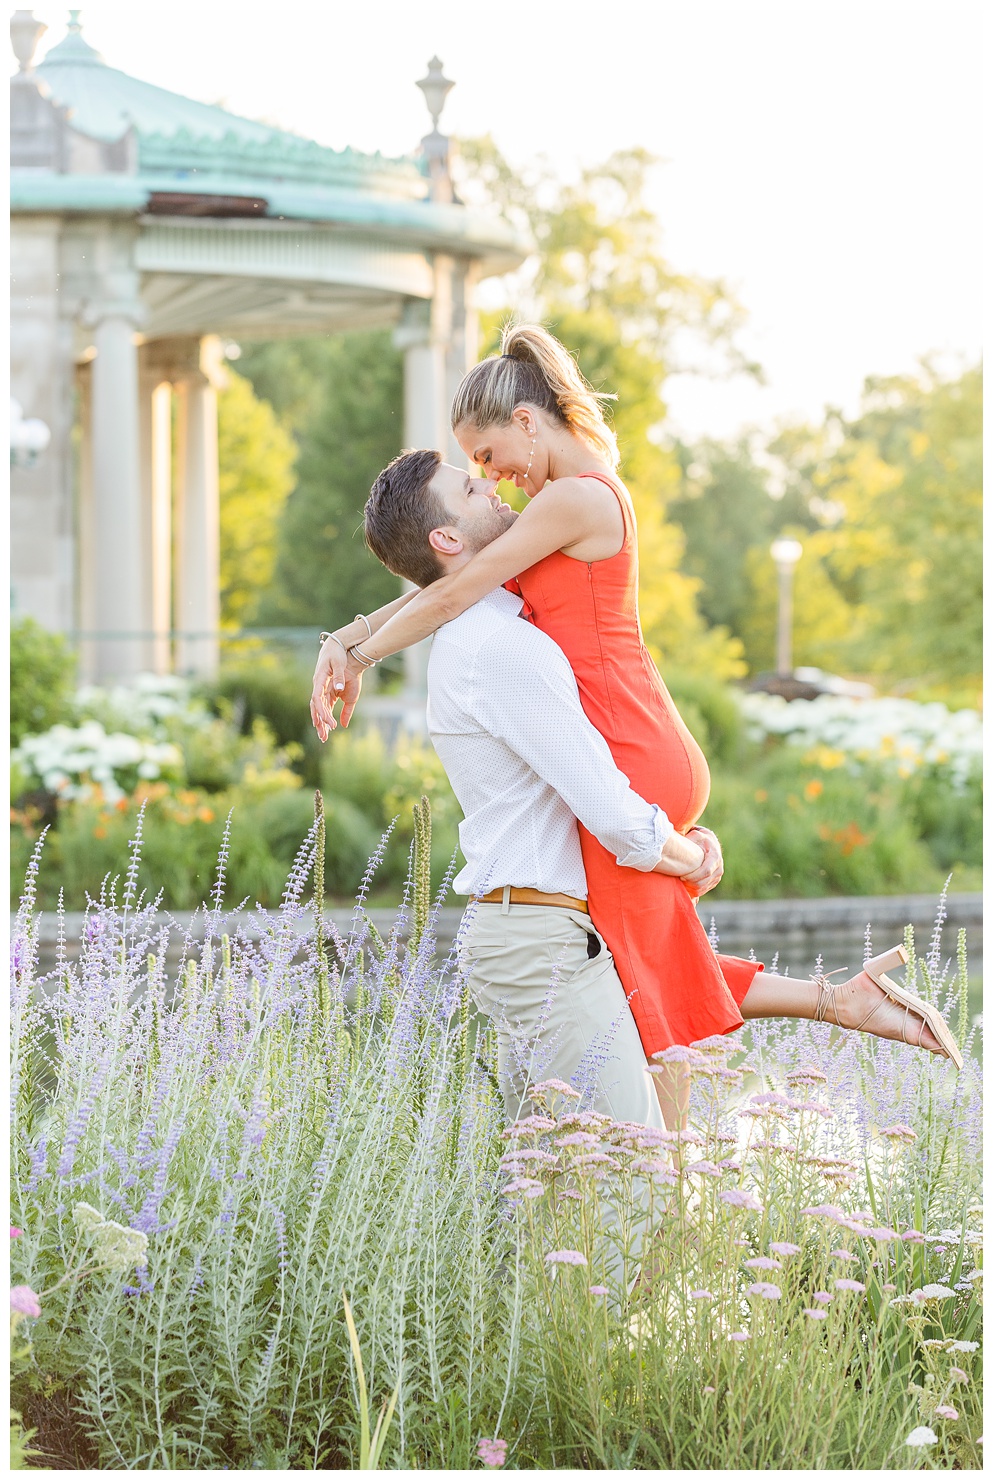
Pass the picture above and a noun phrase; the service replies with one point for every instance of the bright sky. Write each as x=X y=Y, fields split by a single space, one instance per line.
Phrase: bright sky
x=824 y=159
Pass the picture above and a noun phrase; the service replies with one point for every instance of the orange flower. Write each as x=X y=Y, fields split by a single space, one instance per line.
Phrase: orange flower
x=122 y=804
x=99 y=831
x=848 y=837
x=761 y=796
x=813 y=789
x=205 y=814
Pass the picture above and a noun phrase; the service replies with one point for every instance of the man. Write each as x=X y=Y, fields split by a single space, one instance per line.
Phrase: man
x=505 y=717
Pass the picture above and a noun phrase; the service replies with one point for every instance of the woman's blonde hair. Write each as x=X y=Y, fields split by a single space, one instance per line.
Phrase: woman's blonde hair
x=534 y=369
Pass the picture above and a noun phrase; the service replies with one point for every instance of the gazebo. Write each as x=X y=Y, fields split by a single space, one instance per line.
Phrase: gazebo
x=148 y=228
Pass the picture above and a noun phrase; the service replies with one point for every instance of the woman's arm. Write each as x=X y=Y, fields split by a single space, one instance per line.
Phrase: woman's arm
x=562 y=514
x=556 y=518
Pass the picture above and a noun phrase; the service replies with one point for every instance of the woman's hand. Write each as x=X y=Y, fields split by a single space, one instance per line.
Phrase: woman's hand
x=335 y=677
x=711 y=870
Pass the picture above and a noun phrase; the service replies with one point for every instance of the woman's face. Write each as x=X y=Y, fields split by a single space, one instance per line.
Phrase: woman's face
x=505 y=452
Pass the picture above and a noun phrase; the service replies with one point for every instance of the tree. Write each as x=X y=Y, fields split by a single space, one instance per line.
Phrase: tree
x=343 y=398
x=42 y=679
x=887 y=505
x=601 y=283
x=255 y=458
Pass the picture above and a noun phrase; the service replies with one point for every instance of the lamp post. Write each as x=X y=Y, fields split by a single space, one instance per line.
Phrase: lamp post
x=785 y=553
x=28 y=437
x=436 y=87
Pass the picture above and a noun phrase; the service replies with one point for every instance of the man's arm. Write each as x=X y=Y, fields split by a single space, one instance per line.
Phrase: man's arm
x=525 y=693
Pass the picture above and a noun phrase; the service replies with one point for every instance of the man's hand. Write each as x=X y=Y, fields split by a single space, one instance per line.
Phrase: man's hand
x=711 y=871
x=335 y=677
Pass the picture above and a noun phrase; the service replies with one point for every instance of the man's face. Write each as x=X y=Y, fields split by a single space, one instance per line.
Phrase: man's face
x=477 y=514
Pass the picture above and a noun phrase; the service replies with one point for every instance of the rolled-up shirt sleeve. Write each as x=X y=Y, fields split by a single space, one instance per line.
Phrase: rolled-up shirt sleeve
x=525 y=693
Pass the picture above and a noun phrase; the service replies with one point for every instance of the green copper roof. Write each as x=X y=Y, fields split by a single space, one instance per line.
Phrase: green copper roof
x=177 y=135
x=190 y=148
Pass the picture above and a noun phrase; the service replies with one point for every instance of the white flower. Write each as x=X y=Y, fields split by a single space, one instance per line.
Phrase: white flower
x=919 y=1438
x=934 y=1292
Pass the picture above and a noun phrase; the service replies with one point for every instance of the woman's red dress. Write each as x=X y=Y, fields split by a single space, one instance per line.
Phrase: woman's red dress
x=679 y=989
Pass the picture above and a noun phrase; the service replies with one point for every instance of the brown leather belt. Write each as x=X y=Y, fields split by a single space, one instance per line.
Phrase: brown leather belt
x=534 y=896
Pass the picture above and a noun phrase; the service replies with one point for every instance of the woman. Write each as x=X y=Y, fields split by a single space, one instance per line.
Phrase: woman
x=528 y=416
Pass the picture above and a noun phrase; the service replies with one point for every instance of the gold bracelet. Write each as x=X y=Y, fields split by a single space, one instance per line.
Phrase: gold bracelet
x=360 y=618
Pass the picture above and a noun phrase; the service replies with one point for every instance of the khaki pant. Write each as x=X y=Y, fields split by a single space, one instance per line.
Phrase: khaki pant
x=548 y=982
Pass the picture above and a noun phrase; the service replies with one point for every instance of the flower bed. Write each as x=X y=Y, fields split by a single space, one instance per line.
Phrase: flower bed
x=897 y=733
x=286 y=1131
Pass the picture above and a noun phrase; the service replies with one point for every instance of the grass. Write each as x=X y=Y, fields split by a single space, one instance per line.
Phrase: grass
x=285 y=1132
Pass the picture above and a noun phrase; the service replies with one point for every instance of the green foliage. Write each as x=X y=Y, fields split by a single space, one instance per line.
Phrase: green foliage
x=887 y=507
x=787 y=827
x=343 y=398
x=270 y=687
x=725 y=510
x=255 y=456
x=42 y=679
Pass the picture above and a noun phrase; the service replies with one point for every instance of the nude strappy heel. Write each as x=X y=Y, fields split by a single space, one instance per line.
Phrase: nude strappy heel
x=875 y=970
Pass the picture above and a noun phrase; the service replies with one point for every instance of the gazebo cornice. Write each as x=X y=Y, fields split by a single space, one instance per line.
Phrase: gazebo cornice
x=429 y=224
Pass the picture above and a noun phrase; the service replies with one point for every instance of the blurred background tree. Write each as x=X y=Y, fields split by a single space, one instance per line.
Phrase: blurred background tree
x=886 y=503
x=256 y=453
x=888 y=508
x=342 y=400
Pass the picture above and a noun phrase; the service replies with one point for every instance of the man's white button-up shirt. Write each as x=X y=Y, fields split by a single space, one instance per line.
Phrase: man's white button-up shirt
x=505 y=717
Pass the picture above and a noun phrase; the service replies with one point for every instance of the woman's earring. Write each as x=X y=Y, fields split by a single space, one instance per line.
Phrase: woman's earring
x=531 y=458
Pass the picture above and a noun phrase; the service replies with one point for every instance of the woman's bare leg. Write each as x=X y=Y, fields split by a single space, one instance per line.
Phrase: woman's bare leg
x=672 y=1086
x=797 y=997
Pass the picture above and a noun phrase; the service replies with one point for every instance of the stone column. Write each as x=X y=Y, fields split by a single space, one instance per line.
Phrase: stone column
x=86 y=585
x=197 y=585
x=156 y=466
x=423 y=335
x=463 y=347
x=117 y=521
x=42 y=538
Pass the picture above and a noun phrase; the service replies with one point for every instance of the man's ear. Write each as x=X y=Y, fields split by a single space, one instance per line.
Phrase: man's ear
x=445 y=541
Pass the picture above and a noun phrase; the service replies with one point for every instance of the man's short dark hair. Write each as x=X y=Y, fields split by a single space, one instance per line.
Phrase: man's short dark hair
x=401 y=512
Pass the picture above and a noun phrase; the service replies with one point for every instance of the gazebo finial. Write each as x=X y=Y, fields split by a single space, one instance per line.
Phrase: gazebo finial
x=74 y=23
x=25 y=33
x=435 y=87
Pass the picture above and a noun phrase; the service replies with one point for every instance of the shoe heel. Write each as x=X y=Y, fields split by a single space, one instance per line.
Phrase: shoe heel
x=888 y=961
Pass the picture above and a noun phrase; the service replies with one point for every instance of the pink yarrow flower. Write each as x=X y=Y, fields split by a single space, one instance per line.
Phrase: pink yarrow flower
x=740 y=1197
x=785 y=1249
x=559 y=1086
x=849 y=1285
x=945 y=1410
x=565 y=1256
x=15 y=1232
x=701 y=1295
x=815 y=1315
x=822 y=1297
x=492 y=1453
x=24 y=1301
x=598 y=1289
x=738 y=1336
x=762 y=1263
x=767 y=1291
